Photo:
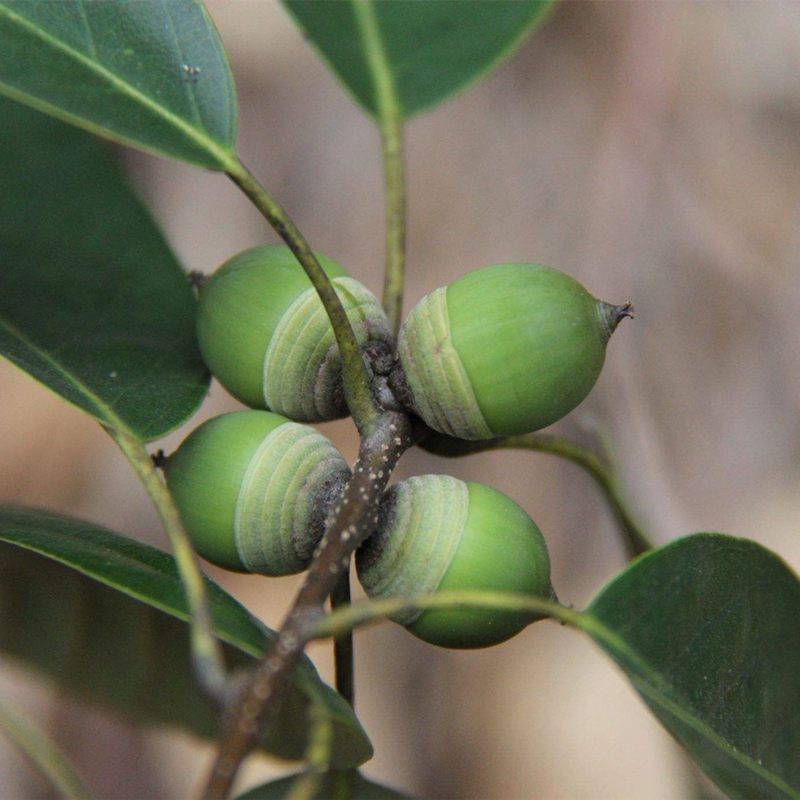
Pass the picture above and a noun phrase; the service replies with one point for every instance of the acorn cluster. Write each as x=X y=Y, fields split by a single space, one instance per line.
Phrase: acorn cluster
x=504 y=350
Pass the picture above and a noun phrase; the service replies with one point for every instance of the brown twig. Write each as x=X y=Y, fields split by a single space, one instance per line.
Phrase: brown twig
x=351 y=522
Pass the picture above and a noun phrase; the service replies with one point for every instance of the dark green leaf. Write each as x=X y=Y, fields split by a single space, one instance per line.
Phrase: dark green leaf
x=363 y=789
x=105 y=617
x=92 y=302
x=433 y=48
x=149 y=73
x=708 y=631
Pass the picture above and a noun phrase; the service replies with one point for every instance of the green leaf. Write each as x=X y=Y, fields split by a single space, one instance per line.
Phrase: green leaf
x=707 y=629
x=363 y=789
x=148 y=73
x=92 y=302
x=432 y=49
x=105 y=617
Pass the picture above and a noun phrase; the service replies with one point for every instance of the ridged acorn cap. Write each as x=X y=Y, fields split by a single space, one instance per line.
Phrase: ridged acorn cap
x=438 y=533
x=252 y=488
x=266 y=338
x=504 y=350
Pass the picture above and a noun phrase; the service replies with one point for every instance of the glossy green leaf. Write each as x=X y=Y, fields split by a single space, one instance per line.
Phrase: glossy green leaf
x=707 y=629
x=433 y=48
x=149 y=73
x=105 y=618
x=363 y=789
x=92 y=302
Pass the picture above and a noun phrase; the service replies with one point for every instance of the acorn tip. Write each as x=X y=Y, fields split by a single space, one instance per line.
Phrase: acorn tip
x=159 y=459
x=612 y=315
x=197 y=280
x=625 y=310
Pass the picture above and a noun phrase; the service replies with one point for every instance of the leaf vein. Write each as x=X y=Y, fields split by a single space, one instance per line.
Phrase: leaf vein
x=198 y=137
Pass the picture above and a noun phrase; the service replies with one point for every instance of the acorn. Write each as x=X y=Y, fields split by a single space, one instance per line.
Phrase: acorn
x=436 y=534
x=265 y=336
x=504 y=350
x=254 y=489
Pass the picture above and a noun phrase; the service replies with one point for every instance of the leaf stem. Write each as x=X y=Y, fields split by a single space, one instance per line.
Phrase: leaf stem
x=636 y=540
x=206 y=652
x=43 y=752
x=394 y=171
x=344 y=678
x=603 y=472
x=343 y=645
x=358 y=392
x=390 y=122
x=367 y=611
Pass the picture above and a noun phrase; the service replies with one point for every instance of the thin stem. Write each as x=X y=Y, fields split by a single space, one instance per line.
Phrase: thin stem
x=344 y=668
x=318 y=754
x=206 y=652
x=358 y=392
x=43 y=752
x=394 y=172
x=352 y=521
x=367 y=611
x=390 y=121
x=604 y=475
x=344 y=678
x=636 y=541
x=343 y=784
x=603 y=472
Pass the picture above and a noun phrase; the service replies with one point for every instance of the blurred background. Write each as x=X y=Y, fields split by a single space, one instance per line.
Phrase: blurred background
x=651 y=150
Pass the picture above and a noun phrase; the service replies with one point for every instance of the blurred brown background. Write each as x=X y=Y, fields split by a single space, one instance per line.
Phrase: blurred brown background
x=650 y=149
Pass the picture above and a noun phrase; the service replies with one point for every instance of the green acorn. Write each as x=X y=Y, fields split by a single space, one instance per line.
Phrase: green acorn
x=254 y=488
x=265 y=335
x=504 y=350
x=437 y=533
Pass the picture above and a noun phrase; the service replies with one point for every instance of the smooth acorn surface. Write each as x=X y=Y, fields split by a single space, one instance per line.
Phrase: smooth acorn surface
x=265 y=336
x=504 y=350
x=438 y=533
x=252 y=487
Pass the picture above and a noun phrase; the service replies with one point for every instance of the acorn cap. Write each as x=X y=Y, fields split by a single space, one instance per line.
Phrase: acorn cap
x=250 y=487
x=302 y=372
x=504 y=350
x=265 y=335
x=438 y=533
x=240 y=307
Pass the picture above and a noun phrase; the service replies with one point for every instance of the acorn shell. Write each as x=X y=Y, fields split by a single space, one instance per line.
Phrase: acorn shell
x=504 y=350
x=251 y=487
x=266 y=337
x=438 y=533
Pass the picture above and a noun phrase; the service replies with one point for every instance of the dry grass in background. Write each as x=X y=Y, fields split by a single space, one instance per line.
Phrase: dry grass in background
x=652 y=150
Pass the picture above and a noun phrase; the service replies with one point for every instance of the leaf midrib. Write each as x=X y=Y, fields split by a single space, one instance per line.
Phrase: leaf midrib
x=146 y=599
x=373 y=44
x=221 y=155
x=590 y=624
x=110 y=417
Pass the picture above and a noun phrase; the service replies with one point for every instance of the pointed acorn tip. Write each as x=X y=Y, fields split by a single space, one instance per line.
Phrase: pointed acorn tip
x=625 y=310
x=613 y=315
x=159 y=459
x=197 y=280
